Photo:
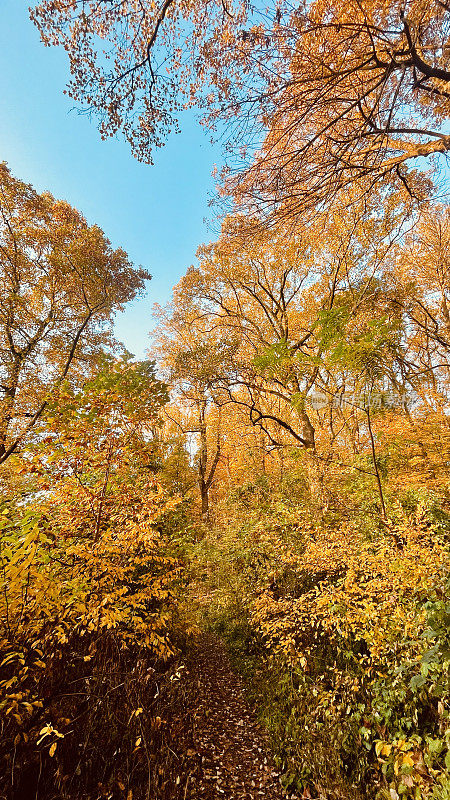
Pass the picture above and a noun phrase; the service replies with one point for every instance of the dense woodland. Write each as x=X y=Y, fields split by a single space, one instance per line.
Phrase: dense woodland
x=276 y=475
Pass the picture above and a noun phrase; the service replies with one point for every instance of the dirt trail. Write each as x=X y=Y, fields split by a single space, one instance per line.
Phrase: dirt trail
x=230 y=757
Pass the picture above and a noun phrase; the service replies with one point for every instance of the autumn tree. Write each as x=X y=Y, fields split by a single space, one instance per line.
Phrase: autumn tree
x=242 y=296
x=273 y=299
x=191 y=361
x=61 y=283
x=323 y=95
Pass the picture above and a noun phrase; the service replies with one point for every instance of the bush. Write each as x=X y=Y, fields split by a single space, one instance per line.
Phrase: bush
x=86 y=627
x=342 y=633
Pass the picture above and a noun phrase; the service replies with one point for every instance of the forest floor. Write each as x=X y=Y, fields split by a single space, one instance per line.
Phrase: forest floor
x=229 y=754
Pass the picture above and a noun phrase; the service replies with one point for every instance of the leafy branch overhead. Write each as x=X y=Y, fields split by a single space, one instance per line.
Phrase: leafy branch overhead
x=313 y=97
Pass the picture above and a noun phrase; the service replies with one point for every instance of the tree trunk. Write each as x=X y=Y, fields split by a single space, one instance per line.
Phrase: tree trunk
x=205 y=500
x=206 y=477
x=8 y=402
x=308 y=432
x=375 y=466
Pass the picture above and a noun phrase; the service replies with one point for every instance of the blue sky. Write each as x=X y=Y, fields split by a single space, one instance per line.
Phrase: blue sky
x=155 y=213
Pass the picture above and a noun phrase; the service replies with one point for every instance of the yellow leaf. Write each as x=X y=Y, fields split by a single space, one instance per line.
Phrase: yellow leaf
x=52 y=749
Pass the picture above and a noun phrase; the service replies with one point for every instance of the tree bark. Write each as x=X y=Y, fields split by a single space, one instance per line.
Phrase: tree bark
x=375 y=466
x=206 y=476
x=8 y=402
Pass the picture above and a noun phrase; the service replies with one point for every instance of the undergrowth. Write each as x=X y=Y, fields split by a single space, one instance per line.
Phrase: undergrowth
x=342 y=637
x=90 y=646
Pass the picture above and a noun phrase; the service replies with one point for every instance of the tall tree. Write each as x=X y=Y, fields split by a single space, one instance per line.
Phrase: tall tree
x=191 y=361
x=60 y=284
x=271 y=298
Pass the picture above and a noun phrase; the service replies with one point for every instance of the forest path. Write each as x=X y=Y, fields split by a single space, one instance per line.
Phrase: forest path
x=232 y=756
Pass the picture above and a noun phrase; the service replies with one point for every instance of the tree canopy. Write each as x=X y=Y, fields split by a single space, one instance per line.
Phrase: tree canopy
x=315 y=96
